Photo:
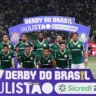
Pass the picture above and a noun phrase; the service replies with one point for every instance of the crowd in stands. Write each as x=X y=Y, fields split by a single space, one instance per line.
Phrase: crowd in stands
x=12 y=12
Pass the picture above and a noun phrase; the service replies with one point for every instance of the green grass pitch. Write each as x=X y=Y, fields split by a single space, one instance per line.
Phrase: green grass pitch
x=92 y=65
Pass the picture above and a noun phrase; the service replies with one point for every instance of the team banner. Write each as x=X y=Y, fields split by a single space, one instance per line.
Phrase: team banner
x=47 y=82
x=59 y=23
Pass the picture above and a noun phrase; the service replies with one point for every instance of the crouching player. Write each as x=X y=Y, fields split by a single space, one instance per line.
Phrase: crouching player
x=27 y=58
x=6 y=56
x=47 y=60
x=63 y=56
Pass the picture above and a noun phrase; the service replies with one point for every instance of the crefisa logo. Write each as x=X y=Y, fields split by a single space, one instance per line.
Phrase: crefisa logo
x=83 y=37
x=15 y=37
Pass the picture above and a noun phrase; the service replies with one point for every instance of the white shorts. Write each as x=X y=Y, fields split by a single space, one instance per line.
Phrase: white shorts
x=78 y=66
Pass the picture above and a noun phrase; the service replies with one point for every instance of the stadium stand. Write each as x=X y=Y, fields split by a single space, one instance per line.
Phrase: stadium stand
x=13 y=12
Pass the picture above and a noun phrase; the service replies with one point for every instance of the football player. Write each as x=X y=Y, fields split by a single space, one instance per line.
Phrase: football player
x=47 y=60
x=27 y=58
x=55 y=47
x=63 y=56
x=40 y=43
x=6 y=56
x=76 y=48
x=23 y=42
x=6 y=40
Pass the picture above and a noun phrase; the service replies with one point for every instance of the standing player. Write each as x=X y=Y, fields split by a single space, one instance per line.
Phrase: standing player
x=27 y=58
x=47 y=60
x=6 y=56
x=7 y=42
x=55 y=47
x=40 y=43
x=24 y=41
x=63 y=56
x=76 y=48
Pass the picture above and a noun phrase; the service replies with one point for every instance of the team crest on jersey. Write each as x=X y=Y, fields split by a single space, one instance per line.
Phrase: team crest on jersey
x=9 y=57
x=31 y=58
x=79 y=46
x=83 y=37
x=9 y=46
x=49 y=61
x=65 y=56
x=15 y=37
x=44 y=45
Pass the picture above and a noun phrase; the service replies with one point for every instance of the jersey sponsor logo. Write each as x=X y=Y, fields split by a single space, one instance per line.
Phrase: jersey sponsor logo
x=61 y=59
x=83 y=37
x=75 y=50
x=9 y=46
x=15 y=37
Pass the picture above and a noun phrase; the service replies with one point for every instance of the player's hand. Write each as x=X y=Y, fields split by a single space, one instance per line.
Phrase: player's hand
x=86 y=63
x=20 y=66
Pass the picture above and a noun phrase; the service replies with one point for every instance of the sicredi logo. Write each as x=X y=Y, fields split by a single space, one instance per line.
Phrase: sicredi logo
x=83 y=37
x=75 y=88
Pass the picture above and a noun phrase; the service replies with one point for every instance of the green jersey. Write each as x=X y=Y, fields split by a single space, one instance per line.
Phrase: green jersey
x=28 y=61
x=10 y=45
x=76 y=51
x=22 y=45
x=6 y=59
x=46 y=62
x=63 y=59
x=38 y=46
x=55 y=47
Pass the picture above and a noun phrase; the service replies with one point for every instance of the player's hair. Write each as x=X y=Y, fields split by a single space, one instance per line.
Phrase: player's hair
x=62 y=42
x=5 y=45
x=58 y=35
x=45 y=48
x=41 y=33
x=27 y=46
x=7 y=36
x=23 y=34
x=74 y=33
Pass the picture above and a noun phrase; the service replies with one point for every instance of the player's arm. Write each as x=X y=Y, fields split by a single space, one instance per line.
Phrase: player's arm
x=19 y=59
x=14 y=54
x=69 y=59
x=13 y=48
x=34 y=46
x=36 y=61
x=53 y=61
x=16 y=47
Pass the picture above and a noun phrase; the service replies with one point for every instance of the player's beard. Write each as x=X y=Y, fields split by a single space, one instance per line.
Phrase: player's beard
x=24 y=41
x=41 y=40
x=75 y=41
